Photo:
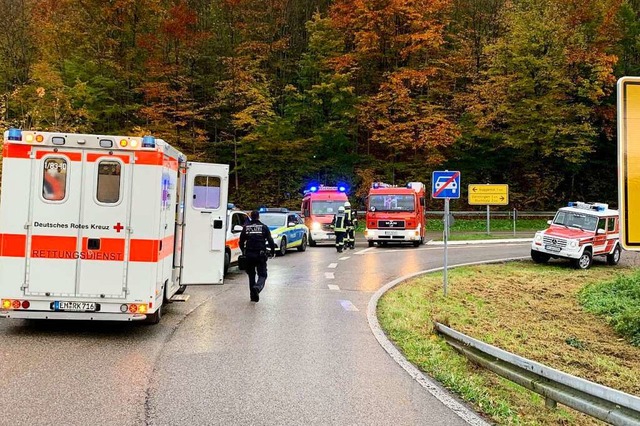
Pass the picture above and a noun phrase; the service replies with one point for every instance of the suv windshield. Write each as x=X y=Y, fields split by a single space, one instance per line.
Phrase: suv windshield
x=394 y=203
x=576 y=220
x=325 y=207
x=273 y=219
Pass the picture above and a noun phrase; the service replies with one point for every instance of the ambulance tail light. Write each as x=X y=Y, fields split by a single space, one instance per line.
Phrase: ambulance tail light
x=15 y=304
x=26 y=304
x=6 y=304
x=14 y=135
x=133 y=308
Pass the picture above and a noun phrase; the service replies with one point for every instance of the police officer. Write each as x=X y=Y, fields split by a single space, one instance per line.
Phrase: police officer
x=350 y=237
x=339 y=223
x=253 y=242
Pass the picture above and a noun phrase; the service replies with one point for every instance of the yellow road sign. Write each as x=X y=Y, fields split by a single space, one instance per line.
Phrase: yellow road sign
x=489 y=195
x=629 y=161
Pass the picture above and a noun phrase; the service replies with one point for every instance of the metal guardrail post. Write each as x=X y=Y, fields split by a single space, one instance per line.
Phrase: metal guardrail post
x=602 y=402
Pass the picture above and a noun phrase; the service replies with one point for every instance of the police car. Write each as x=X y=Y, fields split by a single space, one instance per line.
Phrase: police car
x=287 y=229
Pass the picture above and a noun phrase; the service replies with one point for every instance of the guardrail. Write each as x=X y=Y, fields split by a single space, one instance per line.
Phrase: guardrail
x=604 y=403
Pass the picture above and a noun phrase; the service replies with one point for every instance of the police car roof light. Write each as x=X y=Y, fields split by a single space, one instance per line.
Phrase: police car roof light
x=148 y=141
x=274 y=210
x=15 y=134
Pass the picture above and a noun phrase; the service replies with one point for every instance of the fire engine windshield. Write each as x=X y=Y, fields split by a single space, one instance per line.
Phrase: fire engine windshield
x=576 y=220
x=392 y=203
x=325 y=207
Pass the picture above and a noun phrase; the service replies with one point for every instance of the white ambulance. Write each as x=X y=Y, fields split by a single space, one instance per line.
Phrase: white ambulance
x=96 y=227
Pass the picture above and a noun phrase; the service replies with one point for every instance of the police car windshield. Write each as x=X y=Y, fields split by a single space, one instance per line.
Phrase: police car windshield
x=392 y=203
x=325 y=207
x=576 y=220
x=273 y=219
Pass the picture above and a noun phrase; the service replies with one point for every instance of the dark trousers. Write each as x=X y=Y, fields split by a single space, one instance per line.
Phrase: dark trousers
x=351 y=237
x=258 y=264
x=340 y=240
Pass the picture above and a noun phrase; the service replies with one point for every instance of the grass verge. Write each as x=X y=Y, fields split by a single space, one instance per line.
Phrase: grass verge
x=496 y=225
x=531 y=310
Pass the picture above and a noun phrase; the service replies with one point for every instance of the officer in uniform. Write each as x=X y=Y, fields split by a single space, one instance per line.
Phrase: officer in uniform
x=340 y=223
x=350 y=237
x=253 y=242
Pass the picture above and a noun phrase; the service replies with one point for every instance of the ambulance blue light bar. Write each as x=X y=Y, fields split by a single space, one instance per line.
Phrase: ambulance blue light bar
x=15 y=134
x=148 y=142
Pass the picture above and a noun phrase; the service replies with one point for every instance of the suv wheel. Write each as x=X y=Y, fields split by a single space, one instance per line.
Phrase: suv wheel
x=584 y=262
x=614 y=258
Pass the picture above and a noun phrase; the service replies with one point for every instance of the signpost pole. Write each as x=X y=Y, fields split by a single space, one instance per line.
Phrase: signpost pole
x=446 y=238
x=488 y=226
x=514 y=222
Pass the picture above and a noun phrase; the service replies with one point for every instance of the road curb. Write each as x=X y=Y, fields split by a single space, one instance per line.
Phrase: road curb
x=434 y=388
x=469 y=242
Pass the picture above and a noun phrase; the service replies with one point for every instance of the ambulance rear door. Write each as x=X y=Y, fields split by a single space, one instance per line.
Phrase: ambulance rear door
x=204 y=223
x=104 y=232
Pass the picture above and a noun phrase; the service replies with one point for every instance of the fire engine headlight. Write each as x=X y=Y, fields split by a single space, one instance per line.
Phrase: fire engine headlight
x=573 y=243
x=315 y=226
x=538 y=238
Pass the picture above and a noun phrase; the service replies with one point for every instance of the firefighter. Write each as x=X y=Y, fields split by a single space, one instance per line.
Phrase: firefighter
x=339 y=224
x=254 y=238
x=350 y=237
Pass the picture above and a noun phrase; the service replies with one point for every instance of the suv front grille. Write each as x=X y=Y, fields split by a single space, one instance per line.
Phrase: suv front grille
x=554 y=241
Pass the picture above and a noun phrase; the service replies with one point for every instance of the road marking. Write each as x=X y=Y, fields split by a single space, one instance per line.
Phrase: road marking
x=332 y=266
x=329 y=275
x=348 y=306
x=345 y=258
x=333 y=287
x=365 y=250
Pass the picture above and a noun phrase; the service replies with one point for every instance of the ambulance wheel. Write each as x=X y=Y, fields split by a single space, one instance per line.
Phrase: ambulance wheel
x=227 y=262
x=614 y=258
x=155 y=317
x=181 y=289
x=371 y=243
x=539 y=257
x=584 y=261
x=303 y=244
x=283 y=247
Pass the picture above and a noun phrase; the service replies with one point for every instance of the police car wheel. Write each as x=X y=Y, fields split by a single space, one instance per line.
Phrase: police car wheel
x=584 y=261
x=614 y=258
x=303 y=244
x=283 y=247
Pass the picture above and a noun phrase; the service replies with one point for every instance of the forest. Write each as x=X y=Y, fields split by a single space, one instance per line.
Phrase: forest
x=290 y=92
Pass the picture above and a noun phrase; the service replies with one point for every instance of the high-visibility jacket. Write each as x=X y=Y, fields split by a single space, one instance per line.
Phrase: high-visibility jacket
x=340 y=222
x=352 y=216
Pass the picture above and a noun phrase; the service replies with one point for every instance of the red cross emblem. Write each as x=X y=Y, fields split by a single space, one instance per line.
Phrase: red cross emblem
x=118 y=227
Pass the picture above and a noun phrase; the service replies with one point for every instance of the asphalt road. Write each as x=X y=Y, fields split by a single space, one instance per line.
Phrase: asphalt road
x=303 y=355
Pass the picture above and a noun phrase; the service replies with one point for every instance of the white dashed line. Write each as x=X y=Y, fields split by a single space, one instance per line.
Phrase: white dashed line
x=348 y=306
x=365 y=250
x=329 y=275
x=345 y=258
x=332 y=266
x=333 y=287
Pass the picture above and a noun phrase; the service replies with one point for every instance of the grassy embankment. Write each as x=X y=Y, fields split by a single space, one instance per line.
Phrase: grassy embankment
x=532 y=310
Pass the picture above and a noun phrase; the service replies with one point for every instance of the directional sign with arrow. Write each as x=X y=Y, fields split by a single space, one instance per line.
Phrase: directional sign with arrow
x=489 y=195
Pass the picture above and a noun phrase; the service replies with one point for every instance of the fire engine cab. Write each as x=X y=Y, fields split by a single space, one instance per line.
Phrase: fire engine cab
x=97 y=227
x=396 y=214
x=319 y=205
x=579 y=232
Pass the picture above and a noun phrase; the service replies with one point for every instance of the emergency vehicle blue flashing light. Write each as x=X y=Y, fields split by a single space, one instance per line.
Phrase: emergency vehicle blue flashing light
x=376 y=185
x=313 y=189
x=148 y=142
x=15 y=134
x=231 y=206
x=342 y=188
x=572 y=204
x=262 y=209
x=600 y=208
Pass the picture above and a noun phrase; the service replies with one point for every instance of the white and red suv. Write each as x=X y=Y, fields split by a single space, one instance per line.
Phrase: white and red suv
x=579 y=232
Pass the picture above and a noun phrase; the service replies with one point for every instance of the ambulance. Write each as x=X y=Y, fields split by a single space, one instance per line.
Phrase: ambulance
x=396 y=214
x=319 y=205
x=97 y=227
x=579 y=232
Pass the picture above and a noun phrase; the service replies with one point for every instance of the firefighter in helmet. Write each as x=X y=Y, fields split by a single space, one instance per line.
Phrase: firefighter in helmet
x=339 y=224
x=350 y=237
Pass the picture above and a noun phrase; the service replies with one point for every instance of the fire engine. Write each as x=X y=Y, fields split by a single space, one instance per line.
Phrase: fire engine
x=97 y=227
x=396 y=214
x=319 y=205
x=579 y=232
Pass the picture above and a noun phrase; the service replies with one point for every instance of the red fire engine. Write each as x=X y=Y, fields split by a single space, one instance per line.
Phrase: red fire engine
x=319 y=205
x=396 y=214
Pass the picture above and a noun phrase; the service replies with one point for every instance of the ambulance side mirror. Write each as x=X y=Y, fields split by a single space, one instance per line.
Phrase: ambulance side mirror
x=237 y=228
x=601 y=231
x=549 y=222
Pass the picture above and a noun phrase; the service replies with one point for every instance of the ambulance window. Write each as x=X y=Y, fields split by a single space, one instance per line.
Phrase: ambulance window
x=109 y=182
x=206 y=192
x=54 y=182
x=611 y=224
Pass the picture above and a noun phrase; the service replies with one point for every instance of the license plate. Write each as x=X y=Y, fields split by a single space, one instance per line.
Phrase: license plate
x=553 y=248
x=74 y=306
x=391 y=233
x=331 y=236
